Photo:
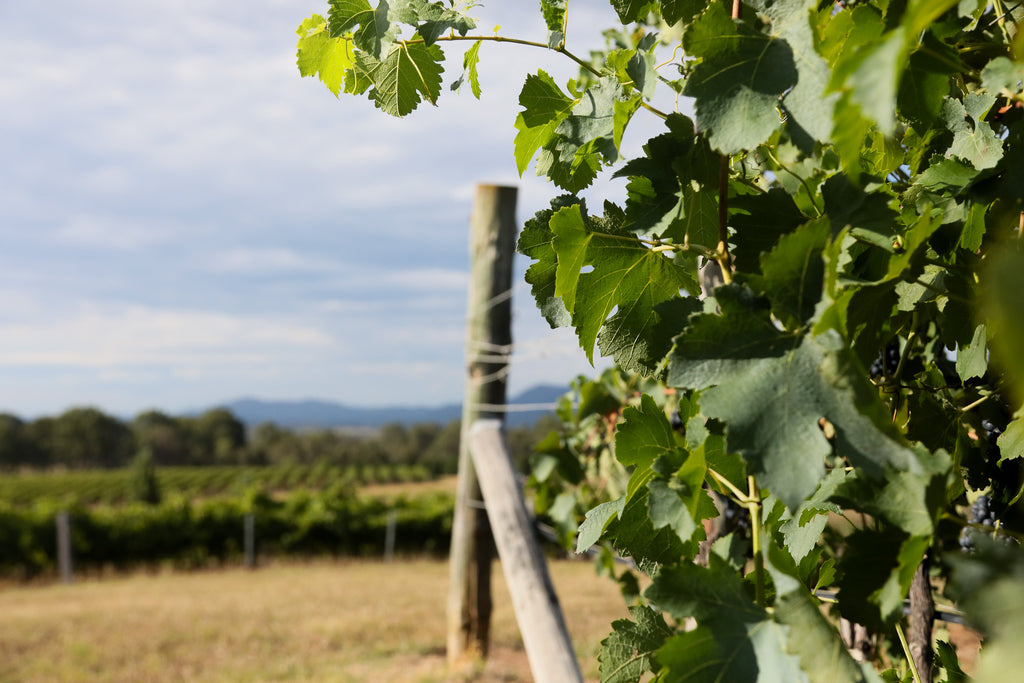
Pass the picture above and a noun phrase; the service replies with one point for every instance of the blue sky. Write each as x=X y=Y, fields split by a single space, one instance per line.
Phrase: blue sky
x=184 y=220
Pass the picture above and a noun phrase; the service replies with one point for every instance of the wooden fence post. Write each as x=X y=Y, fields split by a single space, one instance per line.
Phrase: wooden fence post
x=492 y=238
x=389 y=536
x=249 y=538
x=547 y=642
x=64 y=546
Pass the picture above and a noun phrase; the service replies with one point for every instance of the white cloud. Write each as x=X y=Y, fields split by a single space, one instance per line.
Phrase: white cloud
x=109 y=336
x=112 y=232
x=245 y=260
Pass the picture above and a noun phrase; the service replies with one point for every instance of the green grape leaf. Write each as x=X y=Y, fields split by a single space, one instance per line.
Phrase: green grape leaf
x=640 y=70
x=469 y=66
x=572 y=175
x=874 y=82
x=554 y=17
x=926 y=81
x=704 y=593
x=674 y=11
x=974 y=228
x=823 y=655
x=972 y=358
x=792 y=273
x=626 y=276
x=435 y=19
x=544 y=107
x=630 y=11
x=627 y=653
x=645 y=435
x=760 y=220
x=946 y=175
x=594 y=124
x=730 y=651
x=317 y=54
x=596 y=522
x=1002 y=76
x=410 y=73
x=372 y=29
x=735 y=639
x=948 y=660
x=875 y=575
x=772 y=389
x=1011 y=441
x=808 y=106
x=908 y=500
x=634 y=533
x=670 y=507
x=672 y=190
x=973 y=142
x=536 y=242
x=739 y=81
x=801 y=535
x=866 y=214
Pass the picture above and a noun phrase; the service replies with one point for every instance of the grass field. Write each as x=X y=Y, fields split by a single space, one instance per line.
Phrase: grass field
x=325 y=621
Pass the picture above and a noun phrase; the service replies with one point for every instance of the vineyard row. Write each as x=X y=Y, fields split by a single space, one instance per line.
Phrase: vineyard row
x=90 y=487
x=197 y=533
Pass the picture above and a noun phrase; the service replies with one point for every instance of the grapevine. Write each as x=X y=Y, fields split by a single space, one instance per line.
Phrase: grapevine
x=854 y=170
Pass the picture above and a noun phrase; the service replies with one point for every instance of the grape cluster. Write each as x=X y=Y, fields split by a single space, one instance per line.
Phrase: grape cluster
x=677 y=422
x=992 y=433
x=737 y=518
x=982 y=513
x=887 y=362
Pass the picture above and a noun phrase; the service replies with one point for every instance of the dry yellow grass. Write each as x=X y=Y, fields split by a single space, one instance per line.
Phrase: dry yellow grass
x=325 y=621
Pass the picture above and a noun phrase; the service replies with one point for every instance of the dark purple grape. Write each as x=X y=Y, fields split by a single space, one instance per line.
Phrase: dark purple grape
x=982 y=512
x=887 y=362
x=737 y=518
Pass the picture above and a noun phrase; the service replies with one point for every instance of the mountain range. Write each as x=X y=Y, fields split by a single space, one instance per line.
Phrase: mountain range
x=328 y=414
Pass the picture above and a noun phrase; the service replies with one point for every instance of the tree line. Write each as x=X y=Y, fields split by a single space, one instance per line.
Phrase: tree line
x=86 y=437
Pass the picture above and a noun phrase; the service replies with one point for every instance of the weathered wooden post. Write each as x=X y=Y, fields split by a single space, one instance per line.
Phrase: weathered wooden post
x=64 y=546
x=389 y=536
x=249 y=539
x=492 y=238
x=545 y=637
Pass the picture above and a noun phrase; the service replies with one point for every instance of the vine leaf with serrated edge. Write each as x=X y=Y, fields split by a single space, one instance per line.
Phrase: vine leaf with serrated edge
x=410 y=73
x=469 y=66
x=544 y=107
x=973 y=142
x=626 y=276
x=739 y=81
x=772 y=388
x=317 y=54
x=627 y=653
x=735 y=639
x=372 y=29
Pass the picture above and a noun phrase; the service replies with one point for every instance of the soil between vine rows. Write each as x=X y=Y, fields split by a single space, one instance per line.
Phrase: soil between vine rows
x=323 y=621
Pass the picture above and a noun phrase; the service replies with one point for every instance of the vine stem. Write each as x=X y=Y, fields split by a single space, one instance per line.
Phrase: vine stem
x=754 y=507
x=906 y=651
x=722 y=255
x=971 y=406
x=740 y=496
x=515 y=41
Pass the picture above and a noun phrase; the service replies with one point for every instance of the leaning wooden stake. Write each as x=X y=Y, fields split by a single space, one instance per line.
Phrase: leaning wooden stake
x=547 y=642
x=488 y=338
